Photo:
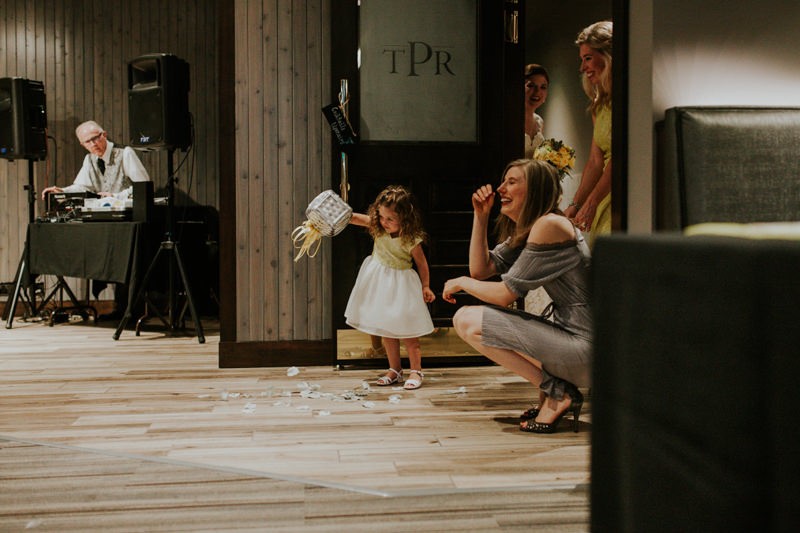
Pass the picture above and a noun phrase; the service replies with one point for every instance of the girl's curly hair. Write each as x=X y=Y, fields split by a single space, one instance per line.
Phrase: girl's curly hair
x=402 y=202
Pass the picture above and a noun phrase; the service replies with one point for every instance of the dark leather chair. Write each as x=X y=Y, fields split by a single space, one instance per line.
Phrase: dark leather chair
x=728 y=164
x=697 y=338
x=695 y=388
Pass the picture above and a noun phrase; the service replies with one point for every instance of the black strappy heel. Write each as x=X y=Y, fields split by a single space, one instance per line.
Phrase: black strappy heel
x=533 y=412
x=532 y=426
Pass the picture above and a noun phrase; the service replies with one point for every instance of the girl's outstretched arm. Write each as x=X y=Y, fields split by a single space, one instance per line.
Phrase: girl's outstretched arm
x=424 y=273
x=359 y=219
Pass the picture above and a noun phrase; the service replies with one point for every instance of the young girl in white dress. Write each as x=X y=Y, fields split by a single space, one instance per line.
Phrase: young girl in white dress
x=388 y=299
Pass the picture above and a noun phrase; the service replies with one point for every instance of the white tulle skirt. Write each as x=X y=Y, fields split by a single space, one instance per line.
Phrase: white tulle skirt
x=388 y=302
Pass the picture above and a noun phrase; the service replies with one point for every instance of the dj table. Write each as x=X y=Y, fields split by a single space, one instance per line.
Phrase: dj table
x=120 y=252
x=102 y=251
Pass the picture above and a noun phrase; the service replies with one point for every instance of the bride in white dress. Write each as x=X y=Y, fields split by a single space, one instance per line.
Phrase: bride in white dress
x=537 y=82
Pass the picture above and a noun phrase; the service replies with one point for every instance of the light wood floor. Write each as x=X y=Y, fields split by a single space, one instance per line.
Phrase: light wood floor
x=147 y=434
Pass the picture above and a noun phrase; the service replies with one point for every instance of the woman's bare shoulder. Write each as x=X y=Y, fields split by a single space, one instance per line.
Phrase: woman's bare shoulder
x=551 y=229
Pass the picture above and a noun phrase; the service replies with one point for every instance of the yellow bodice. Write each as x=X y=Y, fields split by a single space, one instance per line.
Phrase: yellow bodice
x=602 y=132
x=394 y=252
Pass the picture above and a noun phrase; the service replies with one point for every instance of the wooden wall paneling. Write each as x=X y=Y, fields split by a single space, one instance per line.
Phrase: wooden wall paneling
x=267 y=76
x=18 y=173
x=259 y=220
x=102 y=68
x=123 y=36
x=215 y=129
x=5 y=178
x=150 y=13
x=186 y=17
x=119 y=88
x=210 y=62
x=136 y=17
x=325 y=315
x=24 y=24
x=41 y=69
x=73 y=72
x=53 y=57
x=300 y=290
x=47 y=40
x=315 y=308
x=38 y=31
x=212 y=147
x=134 y=27
x=294 y=158
x=242 y=170
x=57 y=128
x=284 y=167
x=227 y=109
x=119 y=74
x=206 y=73
x=139 y=25
x=176 y=44
x=89 y=83
x=164 y=24
x=10 y=183
x=171 y=22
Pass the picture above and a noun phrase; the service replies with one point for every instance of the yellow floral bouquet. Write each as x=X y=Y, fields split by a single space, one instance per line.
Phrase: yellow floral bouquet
x=557 y=153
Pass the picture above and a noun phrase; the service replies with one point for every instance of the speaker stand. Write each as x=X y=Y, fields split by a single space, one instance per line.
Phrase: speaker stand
x=169 y=247
x=23 y=277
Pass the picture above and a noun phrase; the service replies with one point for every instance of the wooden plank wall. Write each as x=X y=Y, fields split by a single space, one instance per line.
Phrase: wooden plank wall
x=80 y=50
x=283 y=159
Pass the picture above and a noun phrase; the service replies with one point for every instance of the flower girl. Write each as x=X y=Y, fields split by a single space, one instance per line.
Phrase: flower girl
x=388 y=298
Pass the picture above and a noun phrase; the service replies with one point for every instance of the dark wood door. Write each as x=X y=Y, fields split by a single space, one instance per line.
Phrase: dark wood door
x=441 y=174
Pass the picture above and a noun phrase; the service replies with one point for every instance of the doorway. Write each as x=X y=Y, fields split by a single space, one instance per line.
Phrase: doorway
x=442 y=173
x=434 y=93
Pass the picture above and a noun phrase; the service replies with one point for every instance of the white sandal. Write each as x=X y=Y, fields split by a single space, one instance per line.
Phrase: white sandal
x=386 y=380
x=416 y=382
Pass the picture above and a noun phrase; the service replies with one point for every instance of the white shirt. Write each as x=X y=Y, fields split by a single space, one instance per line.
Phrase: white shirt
x=122 y=168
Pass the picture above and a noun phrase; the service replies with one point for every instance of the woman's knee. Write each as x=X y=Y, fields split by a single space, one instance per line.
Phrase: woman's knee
x=467 y=321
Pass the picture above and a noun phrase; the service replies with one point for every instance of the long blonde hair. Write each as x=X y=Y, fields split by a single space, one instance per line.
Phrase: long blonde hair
x=598 y=37
x=543 y=193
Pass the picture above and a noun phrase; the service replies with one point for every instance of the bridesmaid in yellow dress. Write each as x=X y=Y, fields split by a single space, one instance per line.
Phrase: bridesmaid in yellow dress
x=591 y=206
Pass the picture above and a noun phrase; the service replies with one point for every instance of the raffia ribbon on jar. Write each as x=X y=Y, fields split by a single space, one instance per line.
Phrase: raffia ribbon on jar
x=327 y=216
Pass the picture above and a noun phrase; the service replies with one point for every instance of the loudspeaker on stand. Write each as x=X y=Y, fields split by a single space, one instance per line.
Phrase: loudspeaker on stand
x=23 y=119
x=158 y=102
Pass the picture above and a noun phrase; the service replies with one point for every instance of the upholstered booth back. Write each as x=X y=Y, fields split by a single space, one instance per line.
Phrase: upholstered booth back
x=728 y=164
x=695 y=389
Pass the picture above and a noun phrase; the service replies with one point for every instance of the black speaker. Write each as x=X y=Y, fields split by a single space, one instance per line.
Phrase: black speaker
x=23 y=119
x=158 y=102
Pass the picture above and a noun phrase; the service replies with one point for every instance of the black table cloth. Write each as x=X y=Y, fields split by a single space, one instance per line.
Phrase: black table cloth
x=103 y=251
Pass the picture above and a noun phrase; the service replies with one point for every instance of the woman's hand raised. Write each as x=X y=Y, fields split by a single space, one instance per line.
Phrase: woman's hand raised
x=483 y=200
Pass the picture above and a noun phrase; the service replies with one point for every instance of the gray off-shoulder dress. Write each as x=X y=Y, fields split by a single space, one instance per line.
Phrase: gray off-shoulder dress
x=563 y=344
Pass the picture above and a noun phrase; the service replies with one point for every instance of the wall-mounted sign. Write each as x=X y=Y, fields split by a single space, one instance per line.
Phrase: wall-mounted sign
x=419 y=68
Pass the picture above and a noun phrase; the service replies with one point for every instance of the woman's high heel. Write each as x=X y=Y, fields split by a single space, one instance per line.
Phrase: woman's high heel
x=533 y=412
x=575 y=407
